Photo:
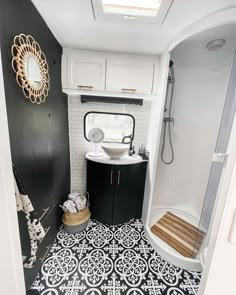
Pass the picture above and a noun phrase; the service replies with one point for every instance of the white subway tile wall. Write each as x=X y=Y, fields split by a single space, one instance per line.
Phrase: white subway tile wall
x=79 y=146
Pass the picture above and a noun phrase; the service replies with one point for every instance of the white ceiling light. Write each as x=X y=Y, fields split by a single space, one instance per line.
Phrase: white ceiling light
x=133 y=11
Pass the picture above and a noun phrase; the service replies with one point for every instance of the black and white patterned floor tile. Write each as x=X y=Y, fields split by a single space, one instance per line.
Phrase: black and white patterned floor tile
x=111 y=260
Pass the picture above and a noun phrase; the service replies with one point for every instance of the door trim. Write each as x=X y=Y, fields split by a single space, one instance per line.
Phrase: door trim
x=222 y=211
x=11 y=269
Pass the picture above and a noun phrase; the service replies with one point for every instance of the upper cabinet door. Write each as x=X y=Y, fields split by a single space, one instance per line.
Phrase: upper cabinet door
x=86 y=72
x=129 y=76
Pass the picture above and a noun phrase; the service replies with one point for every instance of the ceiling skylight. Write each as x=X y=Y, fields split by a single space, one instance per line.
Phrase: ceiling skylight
x=132 y=8
x=132 y=11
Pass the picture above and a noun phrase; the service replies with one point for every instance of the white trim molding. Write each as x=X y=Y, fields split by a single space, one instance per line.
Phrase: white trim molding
x=11 y=267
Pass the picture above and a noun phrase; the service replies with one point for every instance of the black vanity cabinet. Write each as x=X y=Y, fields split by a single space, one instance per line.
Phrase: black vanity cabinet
x=116 y=191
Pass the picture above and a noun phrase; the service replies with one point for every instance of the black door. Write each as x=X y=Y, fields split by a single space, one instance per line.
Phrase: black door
x=100 y=185
x=129 y=191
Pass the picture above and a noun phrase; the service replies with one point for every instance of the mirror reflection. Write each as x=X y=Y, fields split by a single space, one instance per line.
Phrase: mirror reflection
x=33 y=71
x=114 y=125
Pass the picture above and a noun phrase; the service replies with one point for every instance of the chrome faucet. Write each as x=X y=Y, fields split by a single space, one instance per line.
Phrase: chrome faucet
x=131 y=150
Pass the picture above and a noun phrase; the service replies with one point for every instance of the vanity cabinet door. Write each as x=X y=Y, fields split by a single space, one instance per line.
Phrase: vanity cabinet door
x=129 y=191
x=100 y=185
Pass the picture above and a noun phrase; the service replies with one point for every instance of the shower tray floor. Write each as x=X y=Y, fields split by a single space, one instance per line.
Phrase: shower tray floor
x=181 y=235
x=168 y=252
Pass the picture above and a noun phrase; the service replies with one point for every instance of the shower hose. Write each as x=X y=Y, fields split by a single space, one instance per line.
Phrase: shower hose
x=167 y=123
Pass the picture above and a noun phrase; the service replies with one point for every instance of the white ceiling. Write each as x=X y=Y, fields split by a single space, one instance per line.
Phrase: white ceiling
x=193 y=53
x=72 y=22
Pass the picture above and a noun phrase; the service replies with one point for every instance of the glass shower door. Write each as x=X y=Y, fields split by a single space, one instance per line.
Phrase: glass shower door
x=219 y=156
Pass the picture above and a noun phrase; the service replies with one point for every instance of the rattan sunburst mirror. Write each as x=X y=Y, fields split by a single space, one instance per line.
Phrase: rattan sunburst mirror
x=31 y=68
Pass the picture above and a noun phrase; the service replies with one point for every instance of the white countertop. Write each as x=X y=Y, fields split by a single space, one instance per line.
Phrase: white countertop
x=126 y=160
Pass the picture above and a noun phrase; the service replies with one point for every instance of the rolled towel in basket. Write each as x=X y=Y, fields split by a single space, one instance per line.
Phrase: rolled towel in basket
x=80 y=202
x=73 y=196
x=69 y=206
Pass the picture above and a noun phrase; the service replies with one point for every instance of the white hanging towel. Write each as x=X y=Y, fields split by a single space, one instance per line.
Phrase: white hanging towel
x=35 y=228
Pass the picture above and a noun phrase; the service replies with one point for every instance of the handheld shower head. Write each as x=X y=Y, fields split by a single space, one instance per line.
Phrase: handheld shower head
x=171 y=63
x=171 y=77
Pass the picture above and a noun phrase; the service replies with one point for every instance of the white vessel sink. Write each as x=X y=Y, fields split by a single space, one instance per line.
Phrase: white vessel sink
x=115 y=150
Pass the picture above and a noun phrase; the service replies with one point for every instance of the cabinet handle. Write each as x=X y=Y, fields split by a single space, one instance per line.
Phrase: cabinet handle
x=128 y=90
x=85 y=87
x=111 y=176
x=118 y=181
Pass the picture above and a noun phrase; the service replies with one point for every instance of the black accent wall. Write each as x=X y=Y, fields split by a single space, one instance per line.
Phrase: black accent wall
x=38 y=133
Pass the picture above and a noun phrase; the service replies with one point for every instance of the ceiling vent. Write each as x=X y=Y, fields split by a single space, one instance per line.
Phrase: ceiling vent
x=131 y=11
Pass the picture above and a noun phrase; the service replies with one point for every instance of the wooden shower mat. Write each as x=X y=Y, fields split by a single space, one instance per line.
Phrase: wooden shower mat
x=179 y=234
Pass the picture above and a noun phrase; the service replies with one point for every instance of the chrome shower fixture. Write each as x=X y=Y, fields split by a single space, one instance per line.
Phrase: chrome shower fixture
x=168 y=120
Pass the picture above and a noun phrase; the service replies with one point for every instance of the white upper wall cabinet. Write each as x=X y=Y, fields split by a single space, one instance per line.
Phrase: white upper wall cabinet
x=86 y=72
x=109 y=74
x=129 y=76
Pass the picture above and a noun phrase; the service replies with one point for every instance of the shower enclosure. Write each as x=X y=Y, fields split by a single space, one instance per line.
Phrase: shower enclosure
x=203 y=106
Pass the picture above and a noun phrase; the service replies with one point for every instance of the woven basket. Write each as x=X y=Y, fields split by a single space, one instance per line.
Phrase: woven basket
x=77 y=218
